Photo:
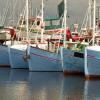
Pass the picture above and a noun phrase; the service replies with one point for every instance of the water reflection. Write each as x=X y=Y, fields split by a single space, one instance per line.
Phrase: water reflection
x=4 y=74
x=13 y=85
x=73 y=88
x=24 y=85
x=92 y=90
x=19 y=75
x=46 y=86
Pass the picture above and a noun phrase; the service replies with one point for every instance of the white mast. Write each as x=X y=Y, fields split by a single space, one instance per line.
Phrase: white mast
x=65 y=24
x=90 y=13
x=27 y=24
x=42 y=29
x=94 y=20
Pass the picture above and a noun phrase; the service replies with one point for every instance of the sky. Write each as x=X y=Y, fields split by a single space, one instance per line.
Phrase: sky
x=13 y=8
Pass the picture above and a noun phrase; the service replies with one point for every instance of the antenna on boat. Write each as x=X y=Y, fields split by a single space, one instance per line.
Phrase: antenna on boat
x=42 y=21
x=94 y=20
x=90 y=14
x=27 y=24
x=65 y=24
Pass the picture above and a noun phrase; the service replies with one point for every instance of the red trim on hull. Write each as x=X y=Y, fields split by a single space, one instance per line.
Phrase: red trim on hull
x=66 y=73
x=92 y=77
x=45 y=57
x=5 y=66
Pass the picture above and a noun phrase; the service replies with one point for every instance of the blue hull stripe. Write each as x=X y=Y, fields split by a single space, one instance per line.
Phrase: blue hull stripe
x=92 y=57
x=50 y=59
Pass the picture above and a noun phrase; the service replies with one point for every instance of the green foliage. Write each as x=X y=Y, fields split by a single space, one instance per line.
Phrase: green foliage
x=80 y=47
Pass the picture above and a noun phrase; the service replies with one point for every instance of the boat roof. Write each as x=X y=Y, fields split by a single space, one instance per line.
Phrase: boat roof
x=95 y=48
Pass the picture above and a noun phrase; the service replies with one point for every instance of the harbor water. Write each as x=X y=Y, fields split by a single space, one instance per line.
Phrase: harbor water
x=20 y=84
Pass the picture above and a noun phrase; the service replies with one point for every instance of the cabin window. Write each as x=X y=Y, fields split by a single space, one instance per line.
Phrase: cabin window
x=56 y=22
x=38 y=23
x=79 y=55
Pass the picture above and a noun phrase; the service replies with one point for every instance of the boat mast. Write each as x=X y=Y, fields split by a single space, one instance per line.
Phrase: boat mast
x=42 y=29
x=94 y=21
x=27 y=24
x=65 y=24
x=30 y=8
x=90 y=25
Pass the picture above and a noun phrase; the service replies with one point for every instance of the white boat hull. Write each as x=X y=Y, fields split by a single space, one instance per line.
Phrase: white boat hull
x=16 y=56
x=72 y=61
x=92 y=62
x=42 y=60
x=4 y=56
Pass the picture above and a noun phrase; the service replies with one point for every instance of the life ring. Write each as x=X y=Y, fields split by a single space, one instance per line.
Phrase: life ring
x=42 y=25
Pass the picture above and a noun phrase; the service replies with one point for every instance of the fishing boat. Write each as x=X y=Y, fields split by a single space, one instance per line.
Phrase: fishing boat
x=43 y=60
x=72 y=60
x=5 y=35
x=92 y=53
x=17 y=52
x=72 y=54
